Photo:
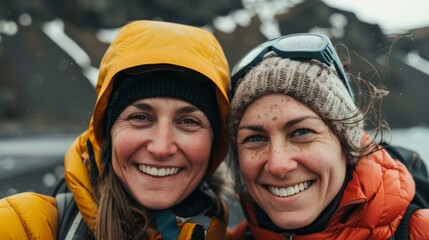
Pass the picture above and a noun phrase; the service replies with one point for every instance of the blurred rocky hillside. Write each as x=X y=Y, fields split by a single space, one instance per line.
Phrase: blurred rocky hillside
x=50 y=51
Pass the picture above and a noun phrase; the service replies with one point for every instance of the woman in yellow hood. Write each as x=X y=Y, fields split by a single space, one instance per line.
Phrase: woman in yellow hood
x=158 y=132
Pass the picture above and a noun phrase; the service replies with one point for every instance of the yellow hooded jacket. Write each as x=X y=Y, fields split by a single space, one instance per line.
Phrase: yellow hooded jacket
x=34 y=216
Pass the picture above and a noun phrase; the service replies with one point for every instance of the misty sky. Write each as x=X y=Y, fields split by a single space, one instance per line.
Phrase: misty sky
x=393 y=16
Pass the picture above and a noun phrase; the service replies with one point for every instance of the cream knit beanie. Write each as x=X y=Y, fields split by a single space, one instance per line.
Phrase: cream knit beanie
x=311 y=82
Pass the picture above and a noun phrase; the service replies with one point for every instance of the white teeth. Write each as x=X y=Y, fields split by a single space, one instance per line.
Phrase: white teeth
x=158 y=172
x=296 y=188
x=289 y=191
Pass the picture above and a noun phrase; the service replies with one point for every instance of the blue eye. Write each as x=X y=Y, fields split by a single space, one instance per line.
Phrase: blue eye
x=255 y=138
x=301 y=132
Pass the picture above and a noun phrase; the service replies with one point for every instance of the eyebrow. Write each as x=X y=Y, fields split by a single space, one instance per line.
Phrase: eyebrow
x=143 y=106
x=188 y=109
x=148 y=107
x=298 y=120
x=289 y=124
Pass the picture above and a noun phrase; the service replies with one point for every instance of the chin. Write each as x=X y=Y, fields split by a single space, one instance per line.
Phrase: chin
x=287 y=222
x=156 y=203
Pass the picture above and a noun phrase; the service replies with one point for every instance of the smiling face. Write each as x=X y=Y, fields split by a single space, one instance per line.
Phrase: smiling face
x=292 y=164
x=160 y=150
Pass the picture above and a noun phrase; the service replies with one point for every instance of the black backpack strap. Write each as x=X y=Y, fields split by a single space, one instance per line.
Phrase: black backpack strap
x=402 y=232
x=70 y=225
x=410 y=158
x=417 y=168
x=64 y=205
x=70 y=222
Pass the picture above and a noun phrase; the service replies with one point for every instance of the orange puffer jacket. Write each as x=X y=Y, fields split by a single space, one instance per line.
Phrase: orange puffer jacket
x=380 y=191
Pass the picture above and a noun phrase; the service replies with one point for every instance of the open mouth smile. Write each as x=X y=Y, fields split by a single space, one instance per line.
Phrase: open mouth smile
x=289 y=191
x=158 y=172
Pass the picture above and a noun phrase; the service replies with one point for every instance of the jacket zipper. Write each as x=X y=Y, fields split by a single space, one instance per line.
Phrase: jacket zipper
x=357 y=202
x=288 y=236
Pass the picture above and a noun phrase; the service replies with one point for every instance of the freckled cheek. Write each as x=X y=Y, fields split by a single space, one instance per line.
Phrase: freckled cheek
x=251 y=164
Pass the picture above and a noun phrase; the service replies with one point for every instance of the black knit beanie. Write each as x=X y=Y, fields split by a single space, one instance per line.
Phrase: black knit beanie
x=193 y=88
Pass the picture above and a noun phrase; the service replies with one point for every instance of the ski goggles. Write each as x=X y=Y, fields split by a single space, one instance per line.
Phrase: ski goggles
x=300 y=46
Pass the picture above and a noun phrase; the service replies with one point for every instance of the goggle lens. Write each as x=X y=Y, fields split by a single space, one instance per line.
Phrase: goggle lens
x=300 y=43
x=303 y=46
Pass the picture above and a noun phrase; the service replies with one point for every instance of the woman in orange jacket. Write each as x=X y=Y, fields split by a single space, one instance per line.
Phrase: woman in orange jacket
x=157 y=134
x=306 y=169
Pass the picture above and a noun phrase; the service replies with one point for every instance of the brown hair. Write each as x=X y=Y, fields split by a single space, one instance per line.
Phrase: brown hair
x=119 y=216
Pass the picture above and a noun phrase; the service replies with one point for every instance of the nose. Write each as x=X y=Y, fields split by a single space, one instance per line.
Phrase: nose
x=163 y=141
x=280 y=159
